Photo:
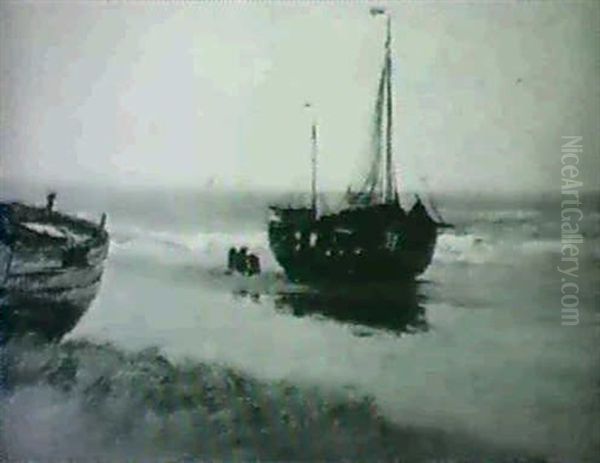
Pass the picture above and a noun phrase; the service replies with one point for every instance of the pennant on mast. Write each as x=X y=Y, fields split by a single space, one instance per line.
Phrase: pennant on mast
x=377 y=10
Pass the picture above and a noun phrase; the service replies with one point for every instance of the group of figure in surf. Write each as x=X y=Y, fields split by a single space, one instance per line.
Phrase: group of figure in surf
x=242 y=262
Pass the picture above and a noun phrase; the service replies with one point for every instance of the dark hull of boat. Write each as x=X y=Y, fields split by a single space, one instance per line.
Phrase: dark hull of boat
x=44 y=317
x=388 y=249
x=47 y=304
x=43 y=290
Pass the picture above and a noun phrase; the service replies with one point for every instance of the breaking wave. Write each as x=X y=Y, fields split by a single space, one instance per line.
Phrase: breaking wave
x=472 y=248
x=507 y=216
x=208 y=249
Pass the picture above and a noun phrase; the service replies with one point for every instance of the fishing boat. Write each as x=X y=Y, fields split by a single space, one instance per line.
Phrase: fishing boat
x=51 y=267
x=370 y=237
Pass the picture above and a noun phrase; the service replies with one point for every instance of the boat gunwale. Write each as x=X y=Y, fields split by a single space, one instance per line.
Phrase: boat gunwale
x=94 y=236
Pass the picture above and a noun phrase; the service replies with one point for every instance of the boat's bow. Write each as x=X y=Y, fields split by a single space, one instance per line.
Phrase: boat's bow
x=51 y=265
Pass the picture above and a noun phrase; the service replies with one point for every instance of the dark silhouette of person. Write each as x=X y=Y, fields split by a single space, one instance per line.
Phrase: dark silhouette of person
x=253 y=264
x=102 y=221
x=242 y=261
x=232 y=258
x=50 y=201
x=101 y=225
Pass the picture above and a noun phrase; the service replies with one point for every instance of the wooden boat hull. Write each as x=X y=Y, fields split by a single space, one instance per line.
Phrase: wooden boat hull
x=42 y=289
x=389 y=248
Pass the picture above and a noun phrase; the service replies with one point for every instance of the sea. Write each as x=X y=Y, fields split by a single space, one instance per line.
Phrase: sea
x=177 y=361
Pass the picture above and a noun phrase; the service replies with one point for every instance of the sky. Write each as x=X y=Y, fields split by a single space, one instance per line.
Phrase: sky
x=211 y=94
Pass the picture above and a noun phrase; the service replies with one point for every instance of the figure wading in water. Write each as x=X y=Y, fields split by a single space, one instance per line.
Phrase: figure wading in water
x=242 y=262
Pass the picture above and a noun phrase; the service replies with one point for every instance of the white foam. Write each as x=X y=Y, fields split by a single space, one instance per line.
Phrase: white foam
x=205 y=249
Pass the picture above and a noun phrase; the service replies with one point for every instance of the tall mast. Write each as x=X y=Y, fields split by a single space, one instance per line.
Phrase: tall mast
x=380 y=183
x=313 y=196
x=390 y=192
x=388 y=182
x=313 y=159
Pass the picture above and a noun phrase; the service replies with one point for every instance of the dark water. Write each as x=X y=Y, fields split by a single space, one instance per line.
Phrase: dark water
x=175 y=360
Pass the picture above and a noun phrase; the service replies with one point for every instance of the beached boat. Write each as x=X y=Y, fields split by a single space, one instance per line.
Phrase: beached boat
x=51 y=267
x=371 y=236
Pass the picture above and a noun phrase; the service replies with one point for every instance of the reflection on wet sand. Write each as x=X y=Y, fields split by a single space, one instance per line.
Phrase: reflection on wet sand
x=395 y=308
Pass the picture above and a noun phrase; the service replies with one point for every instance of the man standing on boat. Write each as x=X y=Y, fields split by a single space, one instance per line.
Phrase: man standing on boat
x=50 y=202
